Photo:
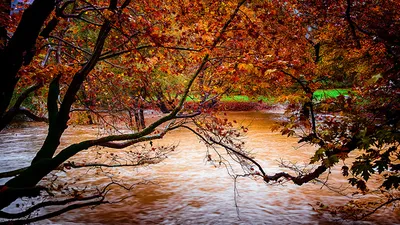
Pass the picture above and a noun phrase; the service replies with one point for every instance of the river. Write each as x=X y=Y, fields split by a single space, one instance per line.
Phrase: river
x=186 y=189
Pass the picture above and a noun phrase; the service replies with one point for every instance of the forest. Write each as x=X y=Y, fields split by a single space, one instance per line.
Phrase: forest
x=139 y=72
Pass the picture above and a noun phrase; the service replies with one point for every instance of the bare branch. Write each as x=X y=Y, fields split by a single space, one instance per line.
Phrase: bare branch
x=15 y=109
x=306 y=89
x=45 y=204
x=71 y=45
x=98 y=199
x=56 y=213
x=80 y=11
x=109 y=54
x=132 y=142
x=26 y=93
x=145 y=161
x=299 y=180
x=241 y=155
x=380 y=206
x=32 y=116
x=191 y=115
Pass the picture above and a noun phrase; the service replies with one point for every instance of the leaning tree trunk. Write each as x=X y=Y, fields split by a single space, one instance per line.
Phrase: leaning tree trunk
x=44 y=161
x=20 y=49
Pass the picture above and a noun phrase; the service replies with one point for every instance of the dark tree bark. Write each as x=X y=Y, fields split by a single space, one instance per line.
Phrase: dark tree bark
x=5 y=8
x=45 y=160
x=21 y=45
x=161 y=102
x=44 y=163
x=139 y=118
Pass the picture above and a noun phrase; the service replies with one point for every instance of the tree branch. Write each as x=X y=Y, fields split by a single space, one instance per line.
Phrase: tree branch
x=26 y=93
x=23 y=192
x=132 y=142
x=351 y=24
x=52 y=107
x=70 y=151
x=306 y=89
x=380 y=206
x=310 y=94
x=44 y=204
x=56 y=213
x=22 y=43
x=52 y=140
x=81 y=11
x=12 y=173
x=111 y=54
x=153 y=160
x=15 y=109
x=240 y=154
x=299 y=180
x=191 y=115
x=32 y=116
x=44 y=162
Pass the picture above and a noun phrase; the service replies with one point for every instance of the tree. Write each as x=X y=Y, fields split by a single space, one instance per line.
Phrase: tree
x=18 y=51
x=320 y=44
x=112 y=58
x=84 y=50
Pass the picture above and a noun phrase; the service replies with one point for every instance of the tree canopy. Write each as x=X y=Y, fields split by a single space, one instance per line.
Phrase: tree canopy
x=111 y=60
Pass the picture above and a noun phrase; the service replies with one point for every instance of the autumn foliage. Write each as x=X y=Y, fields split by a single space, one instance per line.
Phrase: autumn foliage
x=111 y=60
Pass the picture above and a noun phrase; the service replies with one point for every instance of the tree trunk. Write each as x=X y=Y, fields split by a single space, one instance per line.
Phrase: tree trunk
x=141 y=117
x=22 y=44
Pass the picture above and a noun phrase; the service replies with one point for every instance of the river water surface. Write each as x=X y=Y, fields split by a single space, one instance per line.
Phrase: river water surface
x=186 y=189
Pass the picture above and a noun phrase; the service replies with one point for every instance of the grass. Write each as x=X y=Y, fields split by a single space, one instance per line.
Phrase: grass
x=244 y=98
x=331 y=93
x=318 y=95
x=237 y=98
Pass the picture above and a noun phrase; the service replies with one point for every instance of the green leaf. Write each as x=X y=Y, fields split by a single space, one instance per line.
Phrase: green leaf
x=363 y=168
x=319 y=154
x=332 y=160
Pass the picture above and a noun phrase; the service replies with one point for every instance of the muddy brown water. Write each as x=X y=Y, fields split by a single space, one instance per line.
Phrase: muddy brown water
x=186 y=189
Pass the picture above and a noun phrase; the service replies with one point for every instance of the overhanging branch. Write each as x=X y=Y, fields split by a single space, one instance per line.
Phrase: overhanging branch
x=146 y=161
x=45 y=204
x=299 y=180
x=16 y=108
x=132 y=142
x=32 y=116
x=12 y=173
x=56 y=213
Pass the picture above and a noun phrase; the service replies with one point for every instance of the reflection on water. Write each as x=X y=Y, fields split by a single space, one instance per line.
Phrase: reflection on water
x=185 y=189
